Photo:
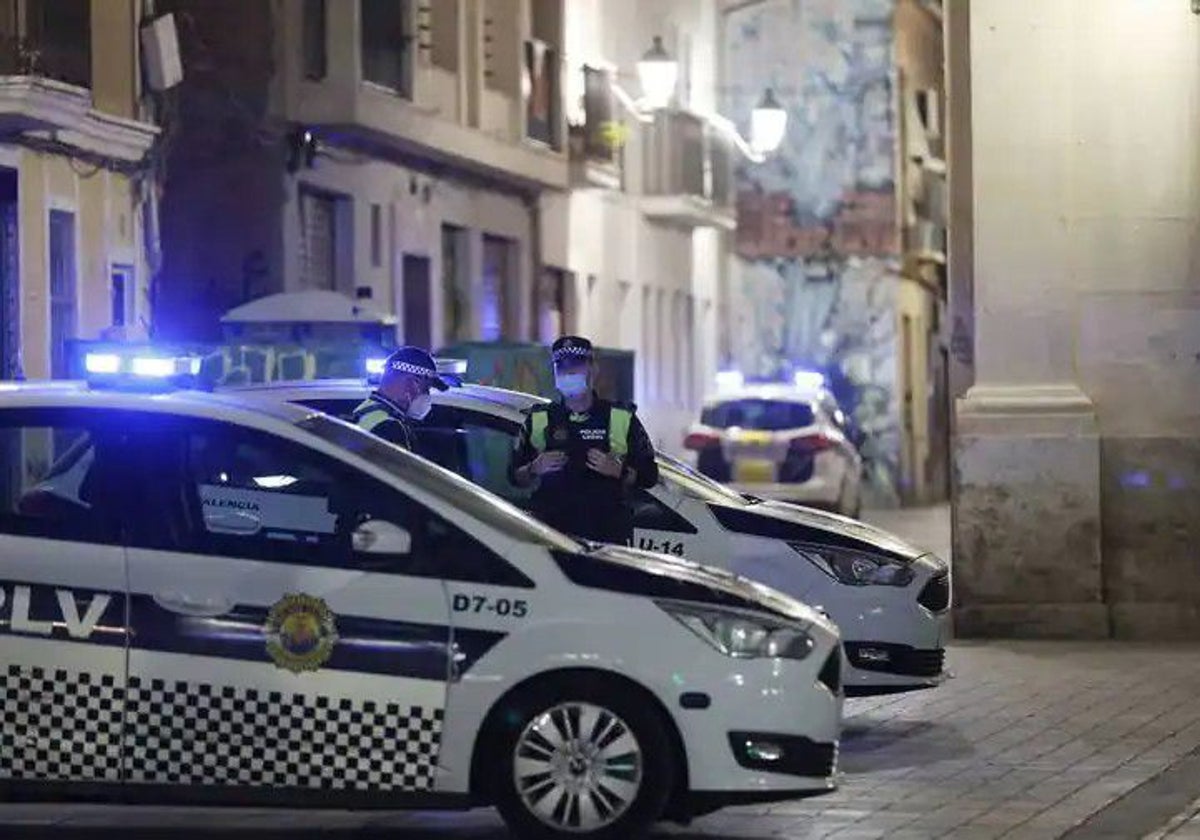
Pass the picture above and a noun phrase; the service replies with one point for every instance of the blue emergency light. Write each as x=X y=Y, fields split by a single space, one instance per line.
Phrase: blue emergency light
x=139 y=369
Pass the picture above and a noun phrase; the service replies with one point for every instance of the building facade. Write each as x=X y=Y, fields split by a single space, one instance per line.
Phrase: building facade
x=1078 y=443
x=74 y=176
x=465 y=165
x=840 y=245
x=643 y=233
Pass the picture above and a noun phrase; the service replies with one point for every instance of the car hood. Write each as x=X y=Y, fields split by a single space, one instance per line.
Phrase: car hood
x=636 y=572
x=796 y=523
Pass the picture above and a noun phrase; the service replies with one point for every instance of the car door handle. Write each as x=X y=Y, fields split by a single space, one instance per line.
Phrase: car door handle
x=177 y=602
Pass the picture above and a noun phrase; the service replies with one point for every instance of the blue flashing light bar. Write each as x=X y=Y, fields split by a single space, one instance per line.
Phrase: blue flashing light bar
x=808 y=379
x=374 y=366
x=102 y=363
x=730 y=380
x=139 y=368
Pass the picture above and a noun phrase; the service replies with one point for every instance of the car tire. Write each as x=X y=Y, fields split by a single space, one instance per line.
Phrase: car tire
x=551 y=776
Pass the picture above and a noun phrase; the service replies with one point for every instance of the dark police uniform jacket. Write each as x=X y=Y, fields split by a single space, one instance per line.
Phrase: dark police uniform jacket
x=381 y=416
x=577 y=499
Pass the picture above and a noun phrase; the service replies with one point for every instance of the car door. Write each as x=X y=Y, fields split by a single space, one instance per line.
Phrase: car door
x=63 y=630
x=291 y=628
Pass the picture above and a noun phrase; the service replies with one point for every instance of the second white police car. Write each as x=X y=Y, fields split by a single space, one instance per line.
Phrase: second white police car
x=202 y=601
x=890 y=600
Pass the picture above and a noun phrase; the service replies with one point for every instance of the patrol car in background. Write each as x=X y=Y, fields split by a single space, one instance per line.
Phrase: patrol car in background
x=204 y=601
x=890 y=600
x=786 y=441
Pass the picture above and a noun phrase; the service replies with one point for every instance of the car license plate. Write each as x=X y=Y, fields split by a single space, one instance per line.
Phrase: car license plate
x=755 y=471
x=755 y=438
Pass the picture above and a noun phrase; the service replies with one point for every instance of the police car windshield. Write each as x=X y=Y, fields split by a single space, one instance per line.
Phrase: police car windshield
x=696 y=484
x=454 y=490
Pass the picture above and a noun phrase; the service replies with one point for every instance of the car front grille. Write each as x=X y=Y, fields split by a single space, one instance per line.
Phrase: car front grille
x=901 y=660
x=935 y=595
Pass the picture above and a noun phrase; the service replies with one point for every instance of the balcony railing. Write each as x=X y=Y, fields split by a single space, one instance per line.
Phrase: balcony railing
x=685 y=157
x=69 y=63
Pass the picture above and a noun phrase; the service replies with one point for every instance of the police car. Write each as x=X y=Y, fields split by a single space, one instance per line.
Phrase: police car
x=891 y=600
x=204 y=601
x=787 y=441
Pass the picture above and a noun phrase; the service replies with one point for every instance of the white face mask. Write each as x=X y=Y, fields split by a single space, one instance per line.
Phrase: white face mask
x=571 y=384
x=420 y=406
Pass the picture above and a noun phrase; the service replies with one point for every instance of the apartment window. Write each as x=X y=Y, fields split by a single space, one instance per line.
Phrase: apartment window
x=57 y=42
x=10 y=310
x=63 y=292
x=660 y=343
x=121 y=294
x=648 y=353
x=376 y=236
x=386 y=44
x=318 y=240
x=316 y=57
x=456 y=298
x=498 y=279
x=551 y=308
x=445 y=23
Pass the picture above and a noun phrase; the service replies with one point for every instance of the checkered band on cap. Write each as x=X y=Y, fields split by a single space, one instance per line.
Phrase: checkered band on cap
x=416 y=370
x=572 y=351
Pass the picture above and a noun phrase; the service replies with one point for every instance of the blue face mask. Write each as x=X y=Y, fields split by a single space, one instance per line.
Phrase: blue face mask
x=571 y=384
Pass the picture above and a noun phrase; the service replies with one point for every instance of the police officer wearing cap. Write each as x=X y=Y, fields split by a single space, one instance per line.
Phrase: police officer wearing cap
x=402 y=396
x=586 y=452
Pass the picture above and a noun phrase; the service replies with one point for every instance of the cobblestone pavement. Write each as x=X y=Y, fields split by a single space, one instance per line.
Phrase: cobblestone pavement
x=1028 y=740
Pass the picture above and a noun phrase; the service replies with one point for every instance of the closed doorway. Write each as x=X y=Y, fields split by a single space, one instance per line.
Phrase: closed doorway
x=417 y=320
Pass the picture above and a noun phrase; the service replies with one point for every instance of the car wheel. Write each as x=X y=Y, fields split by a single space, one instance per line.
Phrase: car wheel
x=580 y=760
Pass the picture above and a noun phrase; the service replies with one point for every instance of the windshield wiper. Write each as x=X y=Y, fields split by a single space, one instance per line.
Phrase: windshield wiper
x=754 y=500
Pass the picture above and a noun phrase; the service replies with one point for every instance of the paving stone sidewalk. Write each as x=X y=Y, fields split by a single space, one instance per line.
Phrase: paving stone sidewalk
x=1028 y=740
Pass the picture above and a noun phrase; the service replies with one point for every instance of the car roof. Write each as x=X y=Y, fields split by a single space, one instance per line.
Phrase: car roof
x=769 y=391
x=216 y=406
x=467 y=395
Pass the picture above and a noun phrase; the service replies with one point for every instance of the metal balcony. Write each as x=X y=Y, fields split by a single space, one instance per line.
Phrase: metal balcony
x=688 y=178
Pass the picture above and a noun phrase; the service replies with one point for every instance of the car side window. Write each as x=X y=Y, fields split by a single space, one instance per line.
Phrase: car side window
x=652 y=515
x=246 y=493
x=61 y=475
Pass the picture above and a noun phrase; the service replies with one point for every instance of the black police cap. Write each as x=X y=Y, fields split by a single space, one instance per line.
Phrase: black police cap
x=571 y=347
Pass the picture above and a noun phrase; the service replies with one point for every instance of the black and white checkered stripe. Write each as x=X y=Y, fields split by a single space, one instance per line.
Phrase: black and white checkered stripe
x=55 y=724
x=415 y=370
x=572 y=350
x=199 y=734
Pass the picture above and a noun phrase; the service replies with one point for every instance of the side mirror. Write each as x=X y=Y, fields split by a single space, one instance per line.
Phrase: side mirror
x=377 y=536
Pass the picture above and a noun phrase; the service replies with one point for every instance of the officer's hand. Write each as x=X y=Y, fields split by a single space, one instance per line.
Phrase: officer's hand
x=548 y=462
x=605 y=463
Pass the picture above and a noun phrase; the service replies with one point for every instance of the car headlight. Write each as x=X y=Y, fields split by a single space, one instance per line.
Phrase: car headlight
x=856 y=568
x=742 y=635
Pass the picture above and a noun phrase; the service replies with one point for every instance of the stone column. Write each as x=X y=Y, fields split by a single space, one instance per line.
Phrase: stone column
x=1027 y=450
x=1078 y=448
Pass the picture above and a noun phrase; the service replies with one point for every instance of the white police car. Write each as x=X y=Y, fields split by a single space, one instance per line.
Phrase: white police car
x=203 y=601
x=890 y=599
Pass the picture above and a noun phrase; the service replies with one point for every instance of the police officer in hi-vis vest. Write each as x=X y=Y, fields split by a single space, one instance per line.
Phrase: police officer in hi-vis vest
x=585 y=451
x=402 y=396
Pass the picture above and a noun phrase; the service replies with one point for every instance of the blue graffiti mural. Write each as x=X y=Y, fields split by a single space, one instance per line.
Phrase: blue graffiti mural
x=817 y=234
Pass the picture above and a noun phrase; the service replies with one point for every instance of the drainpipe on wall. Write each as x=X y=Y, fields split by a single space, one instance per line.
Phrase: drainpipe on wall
x=149 y=183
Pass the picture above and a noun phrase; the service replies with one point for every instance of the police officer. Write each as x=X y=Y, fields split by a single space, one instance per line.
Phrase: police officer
x=402 y=396
x=586 y=452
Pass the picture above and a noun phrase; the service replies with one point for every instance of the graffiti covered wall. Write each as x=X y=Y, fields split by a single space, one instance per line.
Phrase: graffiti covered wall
x=814 y=277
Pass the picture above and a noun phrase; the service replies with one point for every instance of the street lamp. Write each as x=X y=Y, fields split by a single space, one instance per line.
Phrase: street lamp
x=768 y=123
x=658 y=73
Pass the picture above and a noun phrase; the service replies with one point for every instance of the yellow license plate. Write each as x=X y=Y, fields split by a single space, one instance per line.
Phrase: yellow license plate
x=755 y=438
x=755 y=471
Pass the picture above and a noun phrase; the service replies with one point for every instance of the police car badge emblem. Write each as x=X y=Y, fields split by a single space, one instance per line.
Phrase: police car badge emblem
x=300 y=633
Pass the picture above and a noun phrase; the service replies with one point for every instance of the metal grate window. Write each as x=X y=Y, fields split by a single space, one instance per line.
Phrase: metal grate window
x=318 y=241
